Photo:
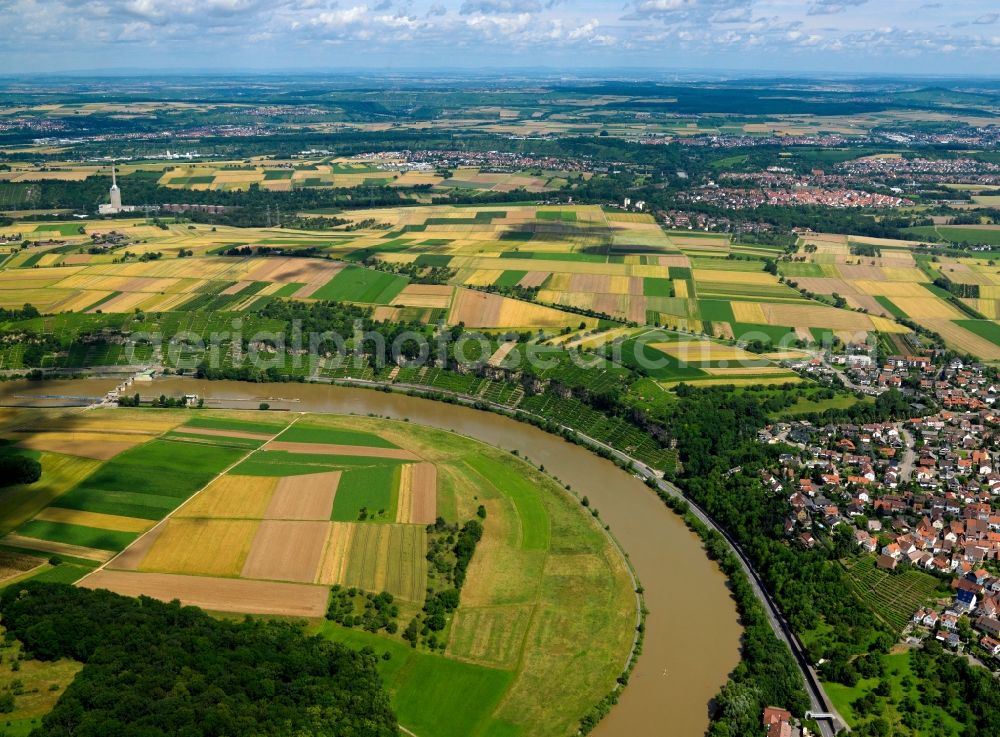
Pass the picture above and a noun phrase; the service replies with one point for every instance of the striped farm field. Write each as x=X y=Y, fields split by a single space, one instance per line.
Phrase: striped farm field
x=388 y=558
x=417 y=494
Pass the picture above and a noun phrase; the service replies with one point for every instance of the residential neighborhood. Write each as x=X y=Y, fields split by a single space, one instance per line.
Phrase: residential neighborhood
x=915 y=495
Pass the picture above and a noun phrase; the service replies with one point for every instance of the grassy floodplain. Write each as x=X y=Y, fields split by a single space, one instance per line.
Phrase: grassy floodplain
x=546 y=616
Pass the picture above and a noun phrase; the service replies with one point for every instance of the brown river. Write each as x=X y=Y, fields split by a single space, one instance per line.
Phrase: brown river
x=692 y=632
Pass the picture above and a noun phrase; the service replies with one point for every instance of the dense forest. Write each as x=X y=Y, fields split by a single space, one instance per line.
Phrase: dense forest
x=154 y=669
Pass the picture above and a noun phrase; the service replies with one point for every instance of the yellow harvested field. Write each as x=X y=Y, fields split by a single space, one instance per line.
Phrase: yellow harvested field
x=629 y=217
x=702 y=350
x=100 y=446
x=237 y=497
x=217 y=594
x=748 y=312
x=886 y=325
x=963 y=340
x=417 y=494
x=305 y=497
x=284 y=550
x=989 y=308
x=681 y=289
x=809 y=315
x=904 y=274
x=483 y=277
x=481 y=310
x=787 y=355
x=201 y=547
x=734 y=277
x=753 y=371
x=889 y=289
x=927 y=307
x=94 y=519
x=425 y=295
x=333 y=568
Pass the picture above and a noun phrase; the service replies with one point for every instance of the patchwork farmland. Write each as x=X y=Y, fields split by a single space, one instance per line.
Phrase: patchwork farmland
x=957 y=297
x=283 y=175
x=504 y=267
x=273 y=510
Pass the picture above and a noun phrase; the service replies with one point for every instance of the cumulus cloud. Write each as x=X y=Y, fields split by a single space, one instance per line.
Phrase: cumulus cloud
x=832 y=7
x=470 y=7
x=755 y=33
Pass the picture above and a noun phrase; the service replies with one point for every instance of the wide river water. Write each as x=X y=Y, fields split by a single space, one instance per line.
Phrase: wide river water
x=692 y=632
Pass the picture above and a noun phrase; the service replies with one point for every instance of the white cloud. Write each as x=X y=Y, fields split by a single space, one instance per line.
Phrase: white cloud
x=754 y=33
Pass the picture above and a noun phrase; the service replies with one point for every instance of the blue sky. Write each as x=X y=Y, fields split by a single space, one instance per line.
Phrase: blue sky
x=848 y=36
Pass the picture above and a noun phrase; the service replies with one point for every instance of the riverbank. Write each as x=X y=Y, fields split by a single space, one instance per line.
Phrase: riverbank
x=692 y=632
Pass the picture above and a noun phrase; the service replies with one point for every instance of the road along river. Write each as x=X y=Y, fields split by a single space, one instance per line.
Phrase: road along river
x=692 y=633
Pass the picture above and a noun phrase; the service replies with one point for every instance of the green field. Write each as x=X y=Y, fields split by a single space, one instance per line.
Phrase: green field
x=798 y=268
x=149 y=480
x=88 y=537
x=958 y=234
x=508 y=479
x=355 y=284
x=422 y=687
x=60 y=473
x=373 y=489
x=509 y=278
x=302 y=433
x=285 y=463
x=654 y=287
x=224 y=423
x=67 y=229
x=716 y=310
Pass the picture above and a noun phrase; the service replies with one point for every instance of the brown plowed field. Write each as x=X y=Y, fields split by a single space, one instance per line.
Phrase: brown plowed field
x=216 y=594
x=344 y=450
x=286 y=551
x=423 y=510
x=222 y=433
x=307 y=497
x=100 y=446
